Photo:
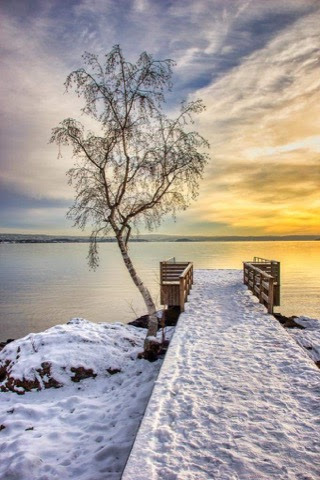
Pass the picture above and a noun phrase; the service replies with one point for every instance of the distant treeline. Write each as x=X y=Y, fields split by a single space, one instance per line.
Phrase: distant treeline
x=4 y=239
x=20 y=238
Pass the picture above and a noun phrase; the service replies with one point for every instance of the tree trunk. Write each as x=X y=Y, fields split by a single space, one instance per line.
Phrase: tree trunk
x=153 y=320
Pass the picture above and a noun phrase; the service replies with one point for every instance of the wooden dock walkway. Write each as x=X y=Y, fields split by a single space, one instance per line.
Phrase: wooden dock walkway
x=236 y=397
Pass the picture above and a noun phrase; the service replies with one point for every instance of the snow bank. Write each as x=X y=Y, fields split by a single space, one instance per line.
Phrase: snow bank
x=309 y=338
x=236 y=397
x=83 y=430
x=67 y=353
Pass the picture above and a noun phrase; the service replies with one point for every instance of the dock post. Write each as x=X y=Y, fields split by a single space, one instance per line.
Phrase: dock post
x=275 y=272
x=261 y=288
x=182 y=294
x=271 y=296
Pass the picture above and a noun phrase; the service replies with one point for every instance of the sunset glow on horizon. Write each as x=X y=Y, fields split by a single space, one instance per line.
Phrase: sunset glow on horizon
x=256 y=65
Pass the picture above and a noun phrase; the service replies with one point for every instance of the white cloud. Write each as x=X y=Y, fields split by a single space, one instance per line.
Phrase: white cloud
x=309 y=143
x=269 y=86
x=33 y=101
x=141 y=5
x=266 y=108
x=263 y=118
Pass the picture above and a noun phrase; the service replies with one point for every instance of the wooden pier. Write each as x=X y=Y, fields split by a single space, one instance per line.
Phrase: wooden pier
x=236 y=397
x=262 y=276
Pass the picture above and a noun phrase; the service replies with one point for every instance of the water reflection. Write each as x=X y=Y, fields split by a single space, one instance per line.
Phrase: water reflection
x=46 y=284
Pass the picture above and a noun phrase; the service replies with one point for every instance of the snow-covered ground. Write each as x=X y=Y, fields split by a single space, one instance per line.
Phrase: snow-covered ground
x=84 y=429
x=309 y=338
x=236 y=398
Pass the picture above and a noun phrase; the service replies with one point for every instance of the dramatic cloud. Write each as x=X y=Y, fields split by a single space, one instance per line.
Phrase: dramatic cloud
x=263 y=123
x=255 y=64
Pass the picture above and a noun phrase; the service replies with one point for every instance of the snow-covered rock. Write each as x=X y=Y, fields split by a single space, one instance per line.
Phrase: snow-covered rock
x=83 y=430
x=68 y=353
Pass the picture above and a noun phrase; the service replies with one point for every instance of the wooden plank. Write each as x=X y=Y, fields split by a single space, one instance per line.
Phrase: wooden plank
x=172 y=275
x=260 y=259
x=170 y=295
x=170 y=260
x=172 y=272
x=263 y=273
x=177 y=270
x=186 y=270
x=276 y=275
x=175 y=265
x=170 y=279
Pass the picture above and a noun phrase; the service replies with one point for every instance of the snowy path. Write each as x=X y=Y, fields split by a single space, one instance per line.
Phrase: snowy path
x=236 y=398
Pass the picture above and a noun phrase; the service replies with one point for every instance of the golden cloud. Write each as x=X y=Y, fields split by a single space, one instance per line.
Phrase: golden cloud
x=263 y=123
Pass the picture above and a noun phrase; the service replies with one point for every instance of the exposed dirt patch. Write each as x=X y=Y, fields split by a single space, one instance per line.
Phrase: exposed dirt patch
x=288 y=322
x=113 y=371
x=80 y=373
x=20 y=386
x=152 y=352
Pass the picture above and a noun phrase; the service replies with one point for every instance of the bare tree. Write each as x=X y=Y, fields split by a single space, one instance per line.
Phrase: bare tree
x=141 y=166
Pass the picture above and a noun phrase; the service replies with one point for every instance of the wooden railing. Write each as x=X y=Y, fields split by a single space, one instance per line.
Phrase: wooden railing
x=176 y=279
x=186 y=281
x=262 y=277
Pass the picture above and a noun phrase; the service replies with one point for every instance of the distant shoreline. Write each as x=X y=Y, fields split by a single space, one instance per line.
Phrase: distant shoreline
x=27 y=239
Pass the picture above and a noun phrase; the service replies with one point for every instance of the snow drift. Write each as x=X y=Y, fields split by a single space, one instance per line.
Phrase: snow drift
x=83 y=430
x=68 y=353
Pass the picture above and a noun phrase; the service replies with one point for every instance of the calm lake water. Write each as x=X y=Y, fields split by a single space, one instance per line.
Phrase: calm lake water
x=46 y=284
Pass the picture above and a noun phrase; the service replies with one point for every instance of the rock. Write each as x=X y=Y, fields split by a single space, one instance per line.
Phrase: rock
x=23 y=385
x=3 y=371
x=80 y=373
x=3 y=344
x=140 y=322
x=171 y=316
x=288 y=322
x=113 y=371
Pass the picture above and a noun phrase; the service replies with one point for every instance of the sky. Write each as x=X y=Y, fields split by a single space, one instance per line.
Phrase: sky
x=255 y=64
